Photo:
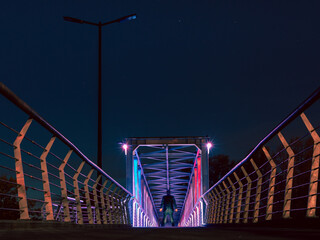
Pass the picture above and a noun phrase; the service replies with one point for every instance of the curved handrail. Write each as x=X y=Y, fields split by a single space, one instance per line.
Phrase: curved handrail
x=292 y=116
x=5 y=91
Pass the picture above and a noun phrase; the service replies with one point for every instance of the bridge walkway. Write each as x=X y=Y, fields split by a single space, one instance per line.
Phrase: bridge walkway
x=53 y=231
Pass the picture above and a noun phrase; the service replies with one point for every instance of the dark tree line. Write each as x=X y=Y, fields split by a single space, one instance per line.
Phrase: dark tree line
x=219 y=165
x=9 y=202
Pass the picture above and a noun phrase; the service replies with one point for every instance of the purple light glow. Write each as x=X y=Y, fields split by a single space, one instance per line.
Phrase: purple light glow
x=209 y=145
x=125 y=148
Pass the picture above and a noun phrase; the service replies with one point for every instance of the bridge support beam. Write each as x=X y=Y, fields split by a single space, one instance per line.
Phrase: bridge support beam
x=103 y=203
x=22 y=194
x=213 y=215
x=113 y=220
x=96 y=201
x=63 y=185
x=314 y=175
x=233 y=200
x=239 y=200
x=258 y=192
x=77 y=193
x=204 y=167
x=248 y=194
x=109 y=211
x=129 y=167
x=223 y=200
x=87 y=194
x=227 y=203
x=289 y=181
x=272 y=182
x=45 y=179
x=219 y=207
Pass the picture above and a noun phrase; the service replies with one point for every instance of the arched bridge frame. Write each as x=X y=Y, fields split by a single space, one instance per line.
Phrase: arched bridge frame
x=155 y=164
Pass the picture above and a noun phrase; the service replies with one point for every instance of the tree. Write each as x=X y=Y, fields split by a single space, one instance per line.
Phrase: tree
x=8 y=191
x=219 y=165
x=9 y=202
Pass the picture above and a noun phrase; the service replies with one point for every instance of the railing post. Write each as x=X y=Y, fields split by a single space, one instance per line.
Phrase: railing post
x=239 y=197
x=121 y=208
x=289 y=181
x=108 y=203
x=223 y=204
x=248 y=193
x=127 y=209
x=116 y=205
x=64 y=193
x=96 y=201
x=218 y=209
x=22 y=194
x=227 y=203
x=210 y=209
x=77 y=194
x=271 y=184
x=103 y=203
x=258 y=192
x=45 y=178
x=233 y=199
x=87 y=194
x=112 y=204
x=215 y=207
x=125 y=218
x=314 y=174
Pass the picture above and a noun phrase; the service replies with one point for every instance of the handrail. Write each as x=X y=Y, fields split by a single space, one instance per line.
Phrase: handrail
x=292 y=116
x=5 y=91
x=144 y=212
x=147 y=185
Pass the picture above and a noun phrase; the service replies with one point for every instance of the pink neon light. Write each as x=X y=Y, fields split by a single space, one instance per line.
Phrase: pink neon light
x=199 y=177
x=125 y=148
x=195 y=186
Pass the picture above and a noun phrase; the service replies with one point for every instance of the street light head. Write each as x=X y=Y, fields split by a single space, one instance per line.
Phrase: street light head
x=209 y=145
x=125 y=148
x=128 y=18
x=71 y=19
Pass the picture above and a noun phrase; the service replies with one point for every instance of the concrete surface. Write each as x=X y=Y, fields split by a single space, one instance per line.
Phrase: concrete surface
x=60 y=231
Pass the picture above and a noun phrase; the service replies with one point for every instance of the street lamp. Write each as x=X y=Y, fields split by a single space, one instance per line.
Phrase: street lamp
x=209 y=145
x=100 y=25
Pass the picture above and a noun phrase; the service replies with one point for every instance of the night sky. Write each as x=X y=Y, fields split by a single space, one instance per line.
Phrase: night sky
x=227 y=69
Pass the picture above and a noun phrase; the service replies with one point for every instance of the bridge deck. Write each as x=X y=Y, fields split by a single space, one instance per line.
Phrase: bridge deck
x=54 y=231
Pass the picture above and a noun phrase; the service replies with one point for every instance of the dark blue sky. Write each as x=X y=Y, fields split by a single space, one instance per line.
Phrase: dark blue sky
x=227 y=69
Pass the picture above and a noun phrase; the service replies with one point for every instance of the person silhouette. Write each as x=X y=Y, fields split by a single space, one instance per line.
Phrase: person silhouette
x=168 y=205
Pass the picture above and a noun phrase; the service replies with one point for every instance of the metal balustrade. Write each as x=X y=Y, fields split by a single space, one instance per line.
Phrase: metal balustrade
x=46 y=177
x=277 y=180
x=43 y=176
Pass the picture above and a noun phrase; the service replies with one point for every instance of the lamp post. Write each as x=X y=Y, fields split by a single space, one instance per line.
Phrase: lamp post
x=100 y=25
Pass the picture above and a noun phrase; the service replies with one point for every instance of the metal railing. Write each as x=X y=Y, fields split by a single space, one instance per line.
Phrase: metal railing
x=277 y=180
x=40 y=183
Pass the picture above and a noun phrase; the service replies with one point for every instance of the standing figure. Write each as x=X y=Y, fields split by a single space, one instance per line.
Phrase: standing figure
x=168 y=205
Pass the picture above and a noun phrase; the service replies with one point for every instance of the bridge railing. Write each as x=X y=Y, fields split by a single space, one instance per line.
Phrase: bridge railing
x=277 y=180
x=195 y=218
x=43 y=176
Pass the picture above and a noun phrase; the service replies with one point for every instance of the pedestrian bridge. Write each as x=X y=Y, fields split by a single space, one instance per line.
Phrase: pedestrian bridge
x=46 y=177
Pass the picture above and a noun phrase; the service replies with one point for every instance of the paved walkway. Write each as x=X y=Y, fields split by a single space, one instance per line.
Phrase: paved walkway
x=58 y=232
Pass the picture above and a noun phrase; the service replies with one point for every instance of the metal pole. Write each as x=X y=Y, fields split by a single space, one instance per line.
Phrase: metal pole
x=167 y=163
x=99 y=160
